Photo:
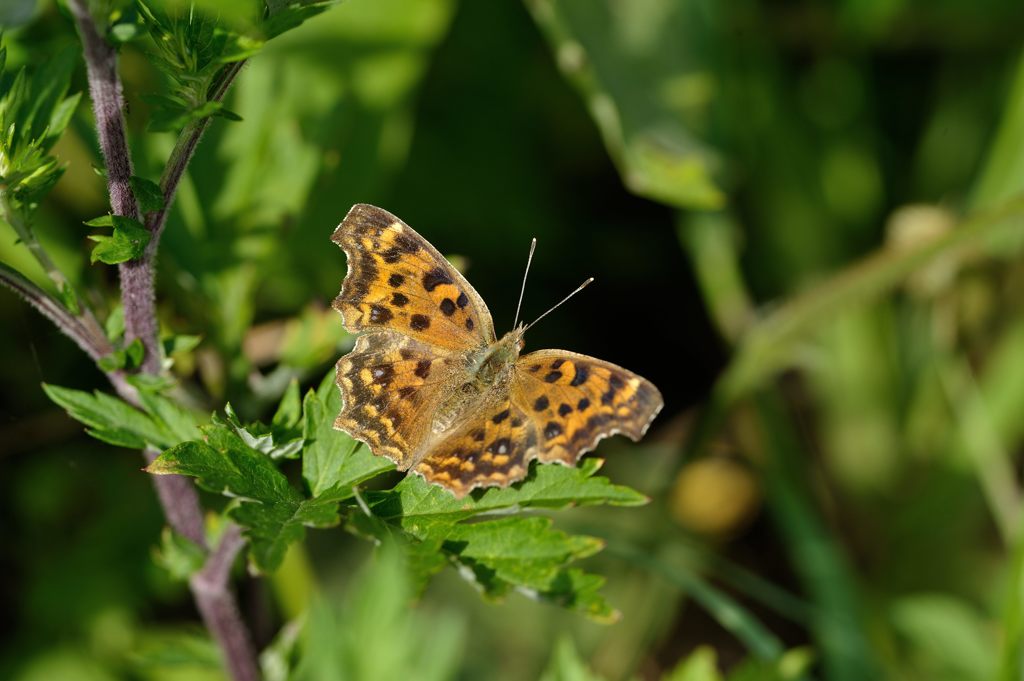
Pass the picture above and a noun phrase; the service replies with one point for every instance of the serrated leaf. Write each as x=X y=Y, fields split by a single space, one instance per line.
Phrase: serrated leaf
x=223 y=463
x=179 y=423
x=332 y=458
x=148 y=194
x=110 y=419
x=546 y=486
x=128 y=242
x=523 y=551
x=271 y=512
x=284 y=16
x=277 y=443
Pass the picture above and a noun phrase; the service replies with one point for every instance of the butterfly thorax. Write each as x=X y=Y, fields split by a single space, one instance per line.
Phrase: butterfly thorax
x=488 y=370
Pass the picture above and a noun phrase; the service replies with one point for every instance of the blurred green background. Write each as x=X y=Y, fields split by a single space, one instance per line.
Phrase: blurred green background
x=805 y=223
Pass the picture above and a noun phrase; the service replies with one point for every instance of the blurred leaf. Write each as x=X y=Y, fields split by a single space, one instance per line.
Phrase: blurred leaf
x=342 y=642
x=645 y=85
x=700 y=665
x=128 y=357
x=947 y=638
x=566 y=665
x=180 y=556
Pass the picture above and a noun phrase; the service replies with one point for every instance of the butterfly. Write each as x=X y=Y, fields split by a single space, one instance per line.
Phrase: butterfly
x=429 y=386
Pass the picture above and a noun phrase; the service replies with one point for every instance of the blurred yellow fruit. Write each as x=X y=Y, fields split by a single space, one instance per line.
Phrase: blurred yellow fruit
x=714 y=496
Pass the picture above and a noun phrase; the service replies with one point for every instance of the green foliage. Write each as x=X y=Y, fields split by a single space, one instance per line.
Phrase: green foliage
x=359 y=637
x=128 y=241
x=645 y=91
x=35 y=109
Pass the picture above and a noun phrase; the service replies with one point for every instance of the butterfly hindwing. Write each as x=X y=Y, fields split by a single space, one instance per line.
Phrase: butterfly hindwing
x=397 y=280
x=389 y=385
x=493 y=447
x=575 y=400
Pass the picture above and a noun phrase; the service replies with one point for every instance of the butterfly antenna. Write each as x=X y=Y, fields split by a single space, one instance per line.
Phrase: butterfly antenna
x=559 y=303
x=529 y=259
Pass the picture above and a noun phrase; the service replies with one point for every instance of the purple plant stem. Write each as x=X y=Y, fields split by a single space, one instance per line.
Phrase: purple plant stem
x=177 y=494
x=219 y=610
x=137 y=288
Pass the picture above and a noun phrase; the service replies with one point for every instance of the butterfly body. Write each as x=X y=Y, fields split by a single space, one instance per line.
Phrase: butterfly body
x=429 y=386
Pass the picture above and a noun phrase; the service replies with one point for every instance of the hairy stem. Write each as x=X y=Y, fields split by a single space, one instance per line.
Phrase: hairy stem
x=85 y=317
x=92 y=344
x=177 y=494
x=181 y=155
x=137 y=289
x=217 y=605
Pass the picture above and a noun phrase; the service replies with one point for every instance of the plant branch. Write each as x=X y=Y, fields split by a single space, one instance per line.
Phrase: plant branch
x=92 y=344
x=217 y=605
x=85 y=318
x=181 y=155
x=137 y=280
x=177 y=494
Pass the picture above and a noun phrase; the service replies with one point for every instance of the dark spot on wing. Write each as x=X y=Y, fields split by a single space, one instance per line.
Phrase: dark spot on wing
x=435 y=278
x=462 y=300
x=391 y=256
x=396 y=280
x=477 y=434
x=582 y=404
x=406 y=244
x=564 y=409
x=419 y=322
x=469 y=324
x=553 y=376
x=541 y=404
x=406 y=354
x=380 y=314
x=499 y=417
x=406 y=392
x=398 y=300
x=582 y=374
x=552 y=430
x=448 y=307
x=557 y=363
x=422 y=368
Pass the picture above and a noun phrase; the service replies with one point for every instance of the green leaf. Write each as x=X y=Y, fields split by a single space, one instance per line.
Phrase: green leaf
x=289 y=411
x=566 y=664
x=284 y=16
x=414 y=501
x=180 y=556
x=129 y=357
x=272 y=513
x=180 y=343
x=647 y=90
x=275 y=442
x=128 y=241
x=148 y=194
x=223 y=463
x=110 y=419
x=331 y=458
x=523 y=551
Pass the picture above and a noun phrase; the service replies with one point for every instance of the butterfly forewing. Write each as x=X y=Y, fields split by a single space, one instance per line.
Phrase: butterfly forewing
x=398 y=281
x=575 y=400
